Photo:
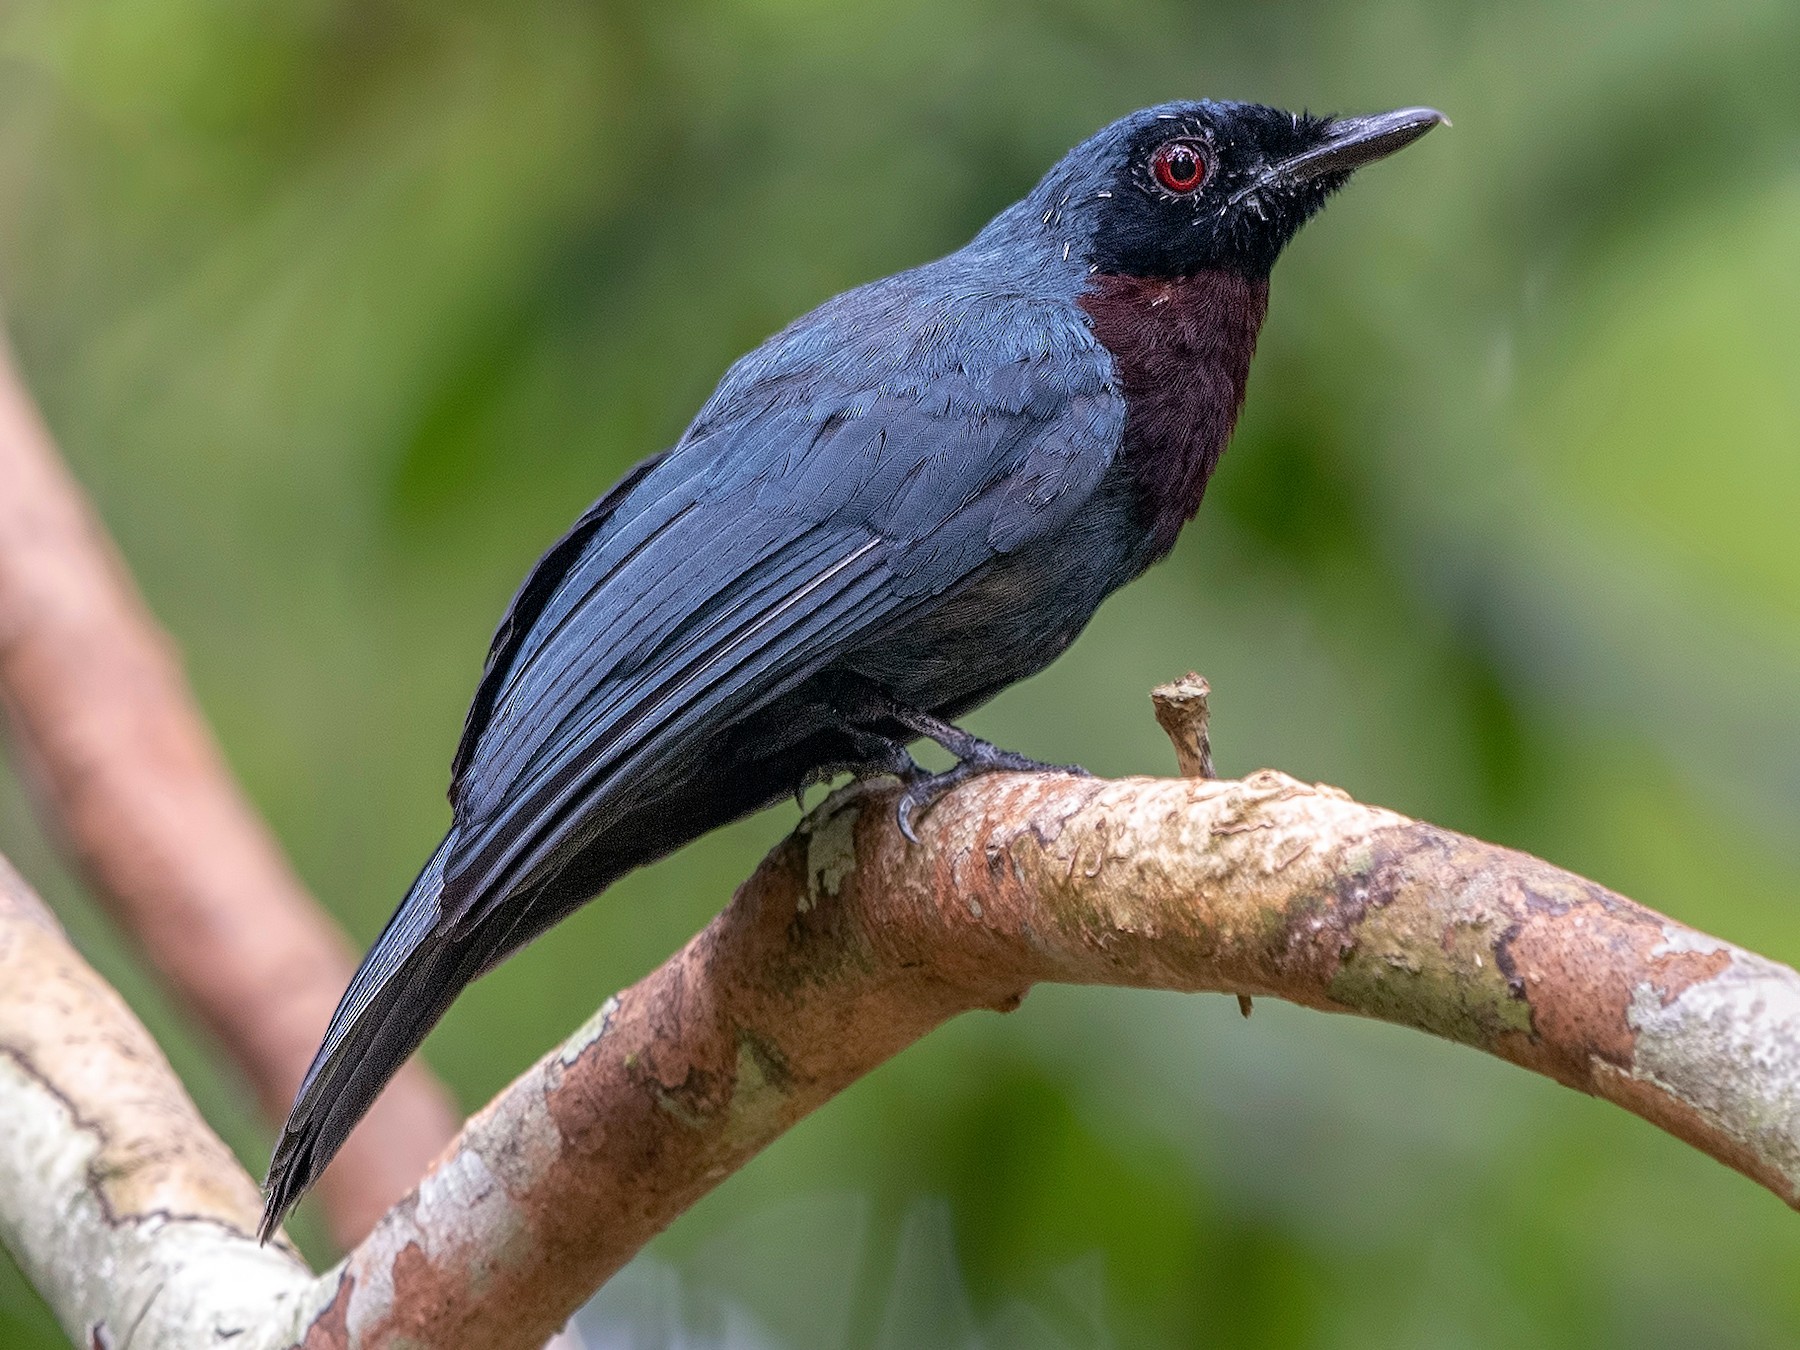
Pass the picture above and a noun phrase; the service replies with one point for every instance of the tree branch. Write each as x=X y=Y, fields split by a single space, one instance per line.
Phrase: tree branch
x=847 y=945
x=844 y=947
x=129 y=777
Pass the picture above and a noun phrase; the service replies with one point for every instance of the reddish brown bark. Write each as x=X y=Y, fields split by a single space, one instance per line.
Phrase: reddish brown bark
x=848 y=944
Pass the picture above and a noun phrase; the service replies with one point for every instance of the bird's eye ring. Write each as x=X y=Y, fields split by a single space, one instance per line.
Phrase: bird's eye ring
x=1179 y=166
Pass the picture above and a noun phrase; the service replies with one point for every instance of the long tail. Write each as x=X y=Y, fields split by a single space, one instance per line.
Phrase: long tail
x=418 y=966
x=402 y=988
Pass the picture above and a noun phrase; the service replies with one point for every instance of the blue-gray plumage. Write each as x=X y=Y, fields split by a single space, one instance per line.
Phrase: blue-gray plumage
x=905 y=501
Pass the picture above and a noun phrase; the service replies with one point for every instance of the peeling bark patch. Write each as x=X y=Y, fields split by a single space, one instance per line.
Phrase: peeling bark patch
x=695 y=1101
x=330 y=1330
x=758 y=1095
x=830 y=850
x=469 y=1192
x=1677 y=939
x=1424 y=972
x=1390 y=939
x=747 y=1098
x=1676 y=974
x=1509 y=967
x=418 y=1285
x=591 y=1031
x=1577 y=996
x=1585 y=958
x=765 y=1059
x=1697 y=1045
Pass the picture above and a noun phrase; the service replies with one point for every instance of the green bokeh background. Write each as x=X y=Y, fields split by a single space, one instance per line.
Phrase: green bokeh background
x=342 y=309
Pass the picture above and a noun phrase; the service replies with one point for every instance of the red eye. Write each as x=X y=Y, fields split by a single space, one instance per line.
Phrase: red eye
x=1179 y=166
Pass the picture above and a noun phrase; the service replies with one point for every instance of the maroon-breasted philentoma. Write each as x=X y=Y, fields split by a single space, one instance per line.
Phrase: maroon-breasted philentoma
x=892 y=509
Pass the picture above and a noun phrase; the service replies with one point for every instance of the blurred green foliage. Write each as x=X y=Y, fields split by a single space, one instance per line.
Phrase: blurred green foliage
x=343 y=310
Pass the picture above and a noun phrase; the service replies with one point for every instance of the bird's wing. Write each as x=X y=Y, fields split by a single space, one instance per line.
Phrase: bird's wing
x=527 y=605
x=785 y=530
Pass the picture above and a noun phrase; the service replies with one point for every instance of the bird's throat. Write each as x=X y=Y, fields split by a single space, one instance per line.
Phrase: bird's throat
x=1182 y=349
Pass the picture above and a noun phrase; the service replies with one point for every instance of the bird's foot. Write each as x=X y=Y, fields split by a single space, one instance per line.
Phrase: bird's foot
x=867 y=702
x=895 y=762
x=974 y=758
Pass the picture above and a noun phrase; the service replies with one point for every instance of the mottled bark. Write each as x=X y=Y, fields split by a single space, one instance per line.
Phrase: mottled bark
x=123 y=1209
x=848 y=944
x=130 y=780
x=844 y=947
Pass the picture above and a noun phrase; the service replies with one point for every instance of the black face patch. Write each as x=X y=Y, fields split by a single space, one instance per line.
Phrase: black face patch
x=1232 y=221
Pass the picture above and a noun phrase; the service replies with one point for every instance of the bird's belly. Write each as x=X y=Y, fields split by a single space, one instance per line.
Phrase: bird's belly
x=1011 y=618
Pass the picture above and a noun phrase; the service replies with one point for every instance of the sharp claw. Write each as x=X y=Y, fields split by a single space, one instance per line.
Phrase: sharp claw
x=904 y=810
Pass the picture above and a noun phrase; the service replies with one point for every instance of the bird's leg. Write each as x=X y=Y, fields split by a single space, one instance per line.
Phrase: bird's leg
x=974 y=757
x=863 y=703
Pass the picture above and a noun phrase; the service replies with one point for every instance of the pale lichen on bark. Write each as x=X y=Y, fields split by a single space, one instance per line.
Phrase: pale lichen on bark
x=1746 y=1014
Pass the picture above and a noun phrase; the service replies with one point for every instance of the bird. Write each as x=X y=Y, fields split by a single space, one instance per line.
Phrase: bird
x=900 y=504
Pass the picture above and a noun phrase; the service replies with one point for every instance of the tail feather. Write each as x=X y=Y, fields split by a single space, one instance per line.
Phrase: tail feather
x=419 y=965
x=402 y=988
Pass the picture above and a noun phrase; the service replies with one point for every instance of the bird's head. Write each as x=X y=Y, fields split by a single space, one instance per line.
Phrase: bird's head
x=1191 y=187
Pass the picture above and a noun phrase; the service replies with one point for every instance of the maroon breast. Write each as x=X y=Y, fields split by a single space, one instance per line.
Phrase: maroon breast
x=1182 y=349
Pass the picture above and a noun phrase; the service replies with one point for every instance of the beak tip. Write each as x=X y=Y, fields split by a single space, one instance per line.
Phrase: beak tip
x=1422 y=118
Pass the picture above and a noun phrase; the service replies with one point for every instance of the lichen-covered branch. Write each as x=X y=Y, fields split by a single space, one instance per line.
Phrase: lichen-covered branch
x=848 y=944
x=130 y=779
x=845 y=946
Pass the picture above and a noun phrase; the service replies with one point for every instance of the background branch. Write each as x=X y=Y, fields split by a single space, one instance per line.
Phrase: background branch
x=128 y=776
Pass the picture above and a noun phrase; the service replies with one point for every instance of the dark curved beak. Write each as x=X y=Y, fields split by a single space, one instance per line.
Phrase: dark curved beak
x=1350 y=142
